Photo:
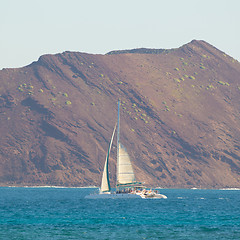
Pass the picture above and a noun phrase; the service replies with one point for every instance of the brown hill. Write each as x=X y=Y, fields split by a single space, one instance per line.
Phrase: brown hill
x=179 y=118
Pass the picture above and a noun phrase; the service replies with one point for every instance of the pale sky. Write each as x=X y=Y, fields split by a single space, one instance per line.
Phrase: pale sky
x=31 y=28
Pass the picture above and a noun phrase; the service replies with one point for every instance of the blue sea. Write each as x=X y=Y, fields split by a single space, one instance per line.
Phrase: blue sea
x=63 y=213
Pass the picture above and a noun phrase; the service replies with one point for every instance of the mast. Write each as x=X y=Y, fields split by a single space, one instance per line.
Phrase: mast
x=118 y=137
x=118 y=129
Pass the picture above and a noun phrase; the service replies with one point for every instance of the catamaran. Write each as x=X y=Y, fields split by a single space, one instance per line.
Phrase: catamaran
x=126 y=184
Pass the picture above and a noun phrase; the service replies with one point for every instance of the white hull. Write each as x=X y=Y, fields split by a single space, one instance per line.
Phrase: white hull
x=154 y=196
x=125 y=195
x=113 y=196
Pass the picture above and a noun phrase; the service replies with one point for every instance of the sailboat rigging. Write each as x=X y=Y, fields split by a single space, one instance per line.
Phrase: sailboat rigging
x=126 y=184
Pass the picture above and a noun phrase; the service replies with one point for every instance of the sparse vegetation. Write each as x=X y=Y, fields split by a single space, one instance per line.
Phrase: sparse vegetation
x=210 y=86
x=68 y=102
x=65 y=94
x=192 y=77
x=177 y=69
x=224 y=83
x=20 y=89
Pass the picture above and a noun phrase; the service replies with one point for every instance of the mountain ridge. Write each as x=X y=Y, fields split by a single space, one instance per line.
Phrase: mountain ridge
x=56 y=122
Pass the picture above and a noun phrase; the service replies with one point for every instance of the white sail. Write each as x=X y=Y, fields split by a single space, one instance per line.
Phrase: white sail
x=125 y=174
x=105 y=185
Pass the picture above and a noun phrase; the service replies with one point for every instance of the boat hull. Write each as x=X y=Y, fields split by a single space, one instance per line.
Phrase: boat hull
x=155 y=196
x=113 y=196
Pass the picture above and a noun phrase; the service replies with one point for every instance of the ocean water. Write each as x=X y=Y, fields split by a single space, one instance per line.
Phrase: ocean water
x=63 y=213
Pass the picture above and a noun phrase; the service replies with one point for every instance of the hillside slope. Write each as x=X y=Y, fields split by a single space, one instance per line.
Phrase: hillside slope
x=179 y=117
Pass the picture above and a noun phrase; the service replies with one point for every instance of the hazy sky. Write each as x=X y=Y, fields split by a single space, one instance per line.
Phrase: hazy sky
x=31 y=28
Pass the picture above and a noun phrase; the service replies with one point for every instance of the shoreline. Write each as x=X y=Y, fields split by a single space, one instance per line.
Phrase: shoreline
x=45 y=186
x=82 y=187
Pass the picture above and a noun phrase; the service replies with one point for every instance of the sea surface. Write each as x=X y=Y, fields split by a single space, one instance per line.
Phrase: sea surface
x=63 y=213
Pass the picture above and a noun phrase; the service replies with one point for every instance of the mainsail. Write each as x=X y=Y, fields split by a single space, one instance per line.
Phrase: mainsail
x=125 y=169
x=125 y=174
x=105 y=186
